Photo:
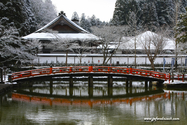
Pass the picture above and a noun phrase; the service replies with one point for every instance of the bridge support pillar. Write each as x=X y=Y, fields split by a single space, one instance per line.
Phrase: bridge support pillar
x=110 y=91
x=131 y=83
x=146 y=84
x=70 y=81
x=110 y=81
x=70 y=91
x=90 y=81
x=127 y=83
x=51 y=87
x=130 y=90
x=150 y=84
x=127 y=90
x=159 y=83
x=90 y=91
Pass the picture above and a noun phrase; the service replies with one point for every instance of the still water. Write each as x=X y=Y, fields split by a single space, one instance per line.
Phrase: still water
x=62 y=105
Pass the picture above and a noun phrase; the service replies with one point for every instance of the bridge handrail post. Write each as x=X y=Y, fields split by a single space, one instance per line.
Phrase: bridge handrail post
x=70 y=69
x=90 y=68
x=130 y=70
x=51 y=70
x=109 y=69
x=30 y=74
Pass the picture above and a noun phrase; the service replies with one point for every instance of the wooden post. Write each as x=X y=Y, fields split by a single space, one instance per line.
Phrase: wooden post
x=130 y=90
x=90 y=91
x=56 y=59
x=70 y=91
x=90 y=81
x=90 y=68
x=127 y=90
x=131 y=83
x=145 y=84
x=150 y=84
x=127 y=83
x=70 y=81
x=110 y=81
x=51 y=86
x=51 y=70
x=131 y=70
x=110 y=91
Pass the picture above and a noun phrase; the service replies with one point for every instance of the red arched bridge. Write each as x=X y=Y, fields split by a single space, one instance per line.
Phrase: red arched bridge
x=85 y=70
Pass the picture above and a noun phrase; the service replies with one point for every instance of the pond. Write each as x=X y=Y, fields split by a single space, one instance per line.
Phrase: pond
x=62 y=105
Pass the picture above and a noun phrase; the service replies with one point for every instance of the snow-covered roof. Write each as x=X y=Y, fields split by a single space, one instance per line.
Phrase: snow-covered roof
x=130 y=43
x=61 y=19
x=69 y=22
x=68 y=36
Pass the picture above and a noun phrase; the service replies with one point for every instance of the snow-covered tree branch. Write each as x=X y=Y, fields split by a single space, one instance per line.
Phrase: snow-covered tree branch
x=13 y=48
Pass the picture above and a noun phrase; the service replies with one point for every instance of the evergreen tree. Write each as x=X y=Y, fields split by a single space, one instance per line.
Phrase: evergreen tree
x=75 y=16
x=151 y=13
x=93 y=20
x=44 y=11
x=85 y=23
x=18 y=14
x=150 y=17
x=12 y=47
x=181 y=28
x=122 y=8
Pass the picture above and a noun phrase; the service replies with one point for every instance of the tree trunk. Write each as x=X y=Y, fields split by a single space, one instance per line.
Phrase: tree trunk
x=66 y=57
x=152 y=65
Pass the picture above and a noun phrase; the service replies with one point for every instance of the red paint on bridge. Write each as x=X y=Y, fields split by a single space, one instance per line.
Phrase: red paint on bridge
x=89 y=69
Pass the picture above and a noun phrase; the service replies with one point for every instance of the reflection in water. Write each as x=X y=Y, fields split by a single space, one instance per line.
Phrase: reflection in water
x=90 y=102
x=83 y=91
x=61 y=105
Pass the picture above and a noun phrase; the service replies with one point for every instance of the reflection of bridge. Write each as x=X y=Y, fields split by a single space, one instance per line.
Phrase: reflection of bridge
x=91 y=71
x=83 y=101
x=91 y=93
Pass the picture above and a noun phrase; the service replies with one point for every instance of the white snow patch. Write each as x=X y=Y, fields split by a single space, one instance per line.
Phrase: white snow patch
x=69 y=36
x=175 y=82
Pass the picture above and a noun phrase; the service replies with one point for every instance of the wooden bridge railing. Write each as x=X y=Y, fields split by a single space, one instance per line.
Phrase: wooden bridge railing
x=89 y=69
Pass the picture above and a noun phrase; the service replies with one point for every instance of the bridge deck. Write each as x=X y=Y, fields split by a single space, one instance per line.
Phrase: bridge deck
x=55 y=71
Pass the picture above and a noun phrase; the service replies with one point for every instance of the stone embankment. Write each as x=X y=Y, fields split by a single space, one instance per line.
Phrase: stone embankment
x=5 y=88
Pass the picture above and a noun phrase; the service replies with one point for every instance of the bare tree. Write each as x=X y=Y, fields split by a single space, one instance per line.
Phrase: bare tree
x=153 y=44
x=70 y=43
x=62 y=44
x=83 y=48
x=107 y=35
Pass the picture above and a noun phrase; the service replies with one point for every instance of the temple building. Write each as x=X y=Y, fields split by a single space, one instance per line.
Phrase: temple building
x=61 y=34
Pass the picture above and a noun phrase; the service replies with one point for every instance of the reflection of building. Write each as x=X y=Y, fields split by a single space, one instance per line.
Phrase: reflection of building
x=66 y=30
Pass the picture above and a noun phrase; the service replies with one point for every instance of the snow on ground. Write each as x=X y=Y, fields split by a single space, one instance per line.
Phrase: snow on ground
x=175 y=82
x=174 y=91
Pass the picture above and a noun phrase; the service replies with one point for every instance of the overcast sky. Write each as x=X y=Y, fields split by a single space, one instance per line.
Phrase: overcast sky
x=102 y=9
